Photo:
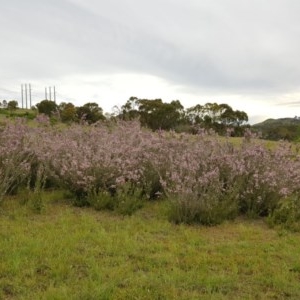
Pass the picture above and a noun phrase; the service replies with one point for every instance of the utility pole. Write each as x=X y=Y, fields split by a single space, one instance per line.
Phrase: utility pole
x=46 y=96
x=22 y=95
x=50 y=92
x=54 y=94
x=26 y=94
x=29 y=95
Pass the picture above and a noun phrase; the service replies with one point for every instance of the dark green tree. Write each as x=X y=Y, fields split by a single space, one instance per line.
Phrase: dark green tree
x=195 y=114
x=156 y=114
x=90 y=112
x=218 y=117
x=130 y=110
x=47 y=107
x=12 y=105
x=67 y=112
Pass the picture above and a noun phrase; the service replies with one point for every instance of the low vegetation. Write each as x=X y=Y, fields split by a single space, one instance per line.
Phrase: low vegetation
x=64 y=252
x=153 y=114
x=114 y=211
x=279 y=129
x=119 y=166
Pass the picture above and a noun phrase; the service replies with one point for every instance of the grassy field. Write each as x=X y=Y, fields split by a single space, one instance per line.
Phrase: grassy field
x=65 y=252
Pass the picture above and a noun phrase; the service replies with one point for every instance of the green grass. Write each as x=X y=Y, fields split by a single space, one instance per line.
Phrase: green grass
x=237 y=141
x=64 y=252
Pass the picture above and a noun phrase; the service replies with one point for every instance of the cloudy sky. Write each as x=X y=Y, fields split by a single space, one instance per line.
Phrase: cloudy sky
x=240 y=52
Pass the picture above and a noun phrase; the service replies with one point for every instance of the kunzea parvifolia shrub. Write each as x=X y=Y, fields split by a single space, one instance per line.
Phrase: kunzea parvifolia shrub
x=116 y=165
x=97 y=159
x=267 y=176
x=16 y=157
x=208 y=180
x=196 y=174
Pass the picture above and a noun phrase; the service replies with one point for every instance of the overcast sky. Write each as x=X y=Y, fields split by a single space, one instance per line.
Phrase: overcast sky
x=241 y=52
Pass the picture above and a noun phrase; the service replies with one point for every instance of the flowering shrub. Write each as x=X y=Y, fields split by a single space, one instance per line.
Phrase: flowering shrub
x=93 y=160
x=119 y=165
x=15 y=157
x=211 y=180
x=268 y=176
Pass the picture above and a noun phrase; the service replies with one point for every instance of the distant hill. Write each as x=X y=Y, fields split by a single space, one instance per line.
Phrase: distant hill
x=277 y=129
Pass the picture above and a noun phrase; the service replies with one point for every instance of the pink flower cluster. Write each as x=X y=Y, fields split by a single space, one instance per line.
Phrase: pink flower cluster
x=201 y=172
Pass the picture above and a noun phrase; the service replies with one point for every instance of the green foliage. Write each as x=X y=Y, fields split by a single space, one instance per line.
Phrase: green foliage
x=279 y=129
x=18 y=113
x=151 y=187
x=128 y=204
x=209 y=209
x=47 y=107
x=130 y=110
x=29 y=115
x=90 y=112
x=80 y=198
x=12 y=105
x=218 y=117
x=287 y=214
x=102 y=200
x=129 y=199
x=67 y=112
x=36 y=202
x=126 y=200
x=155 y=114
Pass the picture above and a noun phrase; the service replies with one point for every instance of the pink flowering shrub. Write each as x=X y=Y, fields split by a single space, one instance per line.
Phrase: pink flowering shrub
x=94 y=160
x=267 y=176
x=208 y=180
x=196 y=174
x=15 y=157
x=119 y=165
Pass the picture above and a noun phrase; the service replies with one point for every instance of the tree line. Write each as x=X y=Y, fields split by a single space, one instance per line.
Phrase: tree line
x=156 y=114
x=153 y=114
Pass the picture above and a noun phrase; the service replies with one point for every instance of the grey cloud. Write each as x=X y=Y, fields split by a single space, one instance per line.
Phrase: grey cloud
x=233 y=45
x=290 y=103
